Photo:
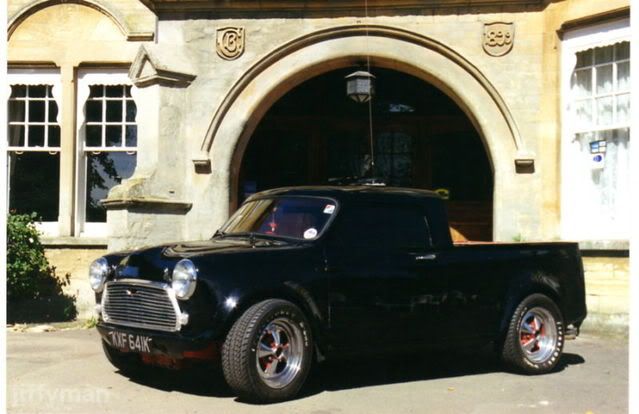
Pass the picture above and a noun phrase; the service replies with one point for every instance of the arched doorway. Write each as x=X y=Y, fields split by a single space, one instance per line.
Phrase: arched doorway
x=316 y=135
x=218 y=159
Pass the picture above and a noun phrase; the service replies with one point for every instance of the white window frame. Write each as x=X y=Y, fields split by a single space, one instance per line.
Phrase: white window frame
x=86 y=78
x=34 y=77
x=576 y=225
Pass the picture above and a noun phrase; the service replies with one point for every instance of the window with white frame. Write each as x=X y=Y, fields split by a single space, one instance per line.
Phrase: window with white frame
x=33 y=134
x=107 y=141
x=105 y=146
x=596 y=132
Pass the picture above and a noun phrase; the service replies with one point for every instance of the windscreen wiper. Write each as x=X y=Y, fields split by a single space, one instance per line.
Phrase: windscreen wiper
x=254 y=236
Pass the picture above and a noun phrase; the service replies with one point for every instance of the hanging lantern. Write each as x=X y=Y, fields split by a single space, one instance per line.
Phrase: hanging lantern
x=360 y=86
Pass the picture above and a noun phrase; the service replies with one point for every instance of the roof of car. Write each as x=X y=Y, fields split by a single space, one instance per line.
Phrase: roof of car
x=337 y=191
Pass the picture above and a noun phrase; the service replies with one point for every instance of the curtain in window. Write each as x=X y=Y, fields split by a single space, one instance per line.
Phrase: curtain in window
x=600 y=98
x=604 y=192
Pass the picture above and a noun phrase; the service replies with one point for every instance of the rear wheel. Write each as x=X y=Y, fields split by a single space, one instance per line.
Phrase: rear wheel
x=267 y=353
x=535 y=338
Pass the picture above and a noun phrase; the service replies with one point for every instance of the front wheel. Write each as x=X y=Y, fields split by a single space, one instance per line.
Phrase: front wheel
x=535 y=338
x=267 y=353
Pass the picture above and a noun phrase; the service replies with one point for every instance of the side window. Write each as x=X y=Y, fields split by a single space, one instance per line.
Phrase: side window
x=384 y=226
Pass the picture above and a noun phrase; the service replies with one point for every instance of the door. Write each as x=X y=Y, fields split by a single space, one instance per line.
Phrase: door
x=380 y=295
x=477 y=282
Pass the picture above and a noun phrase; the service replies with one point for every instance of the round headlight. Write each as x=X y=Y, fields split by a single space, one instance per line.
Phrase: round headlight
x=98 y=272
x=184 y=279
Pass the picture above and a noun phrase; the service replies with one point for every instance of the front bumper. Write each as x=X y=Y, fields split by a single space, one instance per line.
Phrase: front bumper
x=173 y=345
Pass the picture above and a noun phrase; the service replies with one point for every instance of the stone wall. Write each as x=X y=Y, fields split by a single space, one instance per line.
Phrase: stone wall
x=607 y=291
x=76 y=261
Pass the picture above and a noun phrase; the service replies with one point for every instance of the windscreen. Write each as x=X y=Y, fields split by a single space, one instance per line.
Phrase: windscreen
x=296 y=217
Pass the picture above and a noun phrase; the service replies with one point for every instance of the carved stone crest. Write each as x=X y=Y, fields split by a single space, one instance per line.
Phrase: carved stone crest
x=499 y=38
x=230 y=42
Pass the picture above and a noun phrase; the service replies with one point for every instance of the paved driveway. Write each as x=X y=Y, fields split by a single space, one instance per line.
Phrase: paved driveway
x=65 y=372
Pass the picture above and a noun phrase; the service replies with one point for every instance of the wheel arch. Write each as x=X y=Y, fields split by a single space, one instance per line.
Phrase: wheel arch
x=290 y=292
x=523 y=285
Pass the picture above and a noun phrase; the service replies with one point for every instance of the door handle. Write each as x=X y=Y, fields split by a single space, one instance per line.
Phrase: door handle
x=425 y=257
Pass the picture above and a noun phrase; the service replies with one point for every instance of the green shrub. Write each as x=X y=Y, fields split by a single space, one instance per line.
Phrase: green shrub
x=91 y=323
x=29 y=274
x=519 y=238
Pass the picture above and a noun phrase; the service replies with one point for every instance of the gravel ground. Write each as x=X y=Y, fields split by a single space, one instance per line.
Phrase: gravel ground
x=66 y=372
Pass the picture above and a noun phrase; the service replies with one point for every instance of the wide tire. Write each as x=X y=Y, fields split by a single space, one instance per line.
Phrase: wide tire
x=128 y=364
x=535 y=338
x=268 y=352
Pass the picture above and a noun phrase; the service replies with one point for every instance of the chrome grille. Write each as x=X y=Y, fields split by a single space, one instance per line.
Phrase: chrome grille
x=141 y=304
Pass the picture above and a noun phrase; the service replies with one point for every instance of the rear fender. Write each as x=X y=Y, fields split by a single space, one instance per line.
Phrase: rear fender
x=523 y=285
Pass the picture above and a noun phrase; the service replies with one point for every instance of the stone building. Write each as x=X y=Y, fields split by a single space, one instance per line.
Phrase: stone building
x=134 y=122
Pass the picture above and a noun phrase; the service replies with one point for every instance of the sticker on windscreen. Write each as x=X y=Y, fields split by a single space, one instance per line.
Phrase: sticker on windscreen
x=310 y=233
x=329 y=209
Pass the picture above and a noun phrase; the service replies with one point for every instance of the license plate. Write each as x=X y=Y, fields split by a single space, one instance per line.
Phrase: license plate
x=130 y=342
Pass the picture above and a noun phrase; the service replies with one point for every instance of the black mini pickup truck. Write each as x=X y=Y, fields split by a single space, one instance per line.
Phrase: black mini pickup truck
x=303 y=274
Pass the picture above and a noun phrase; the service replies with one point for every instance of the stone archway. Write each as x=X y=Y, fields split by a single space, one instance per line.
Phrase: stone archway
x=120 y=19
x=316 y=135
x=334 y=48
